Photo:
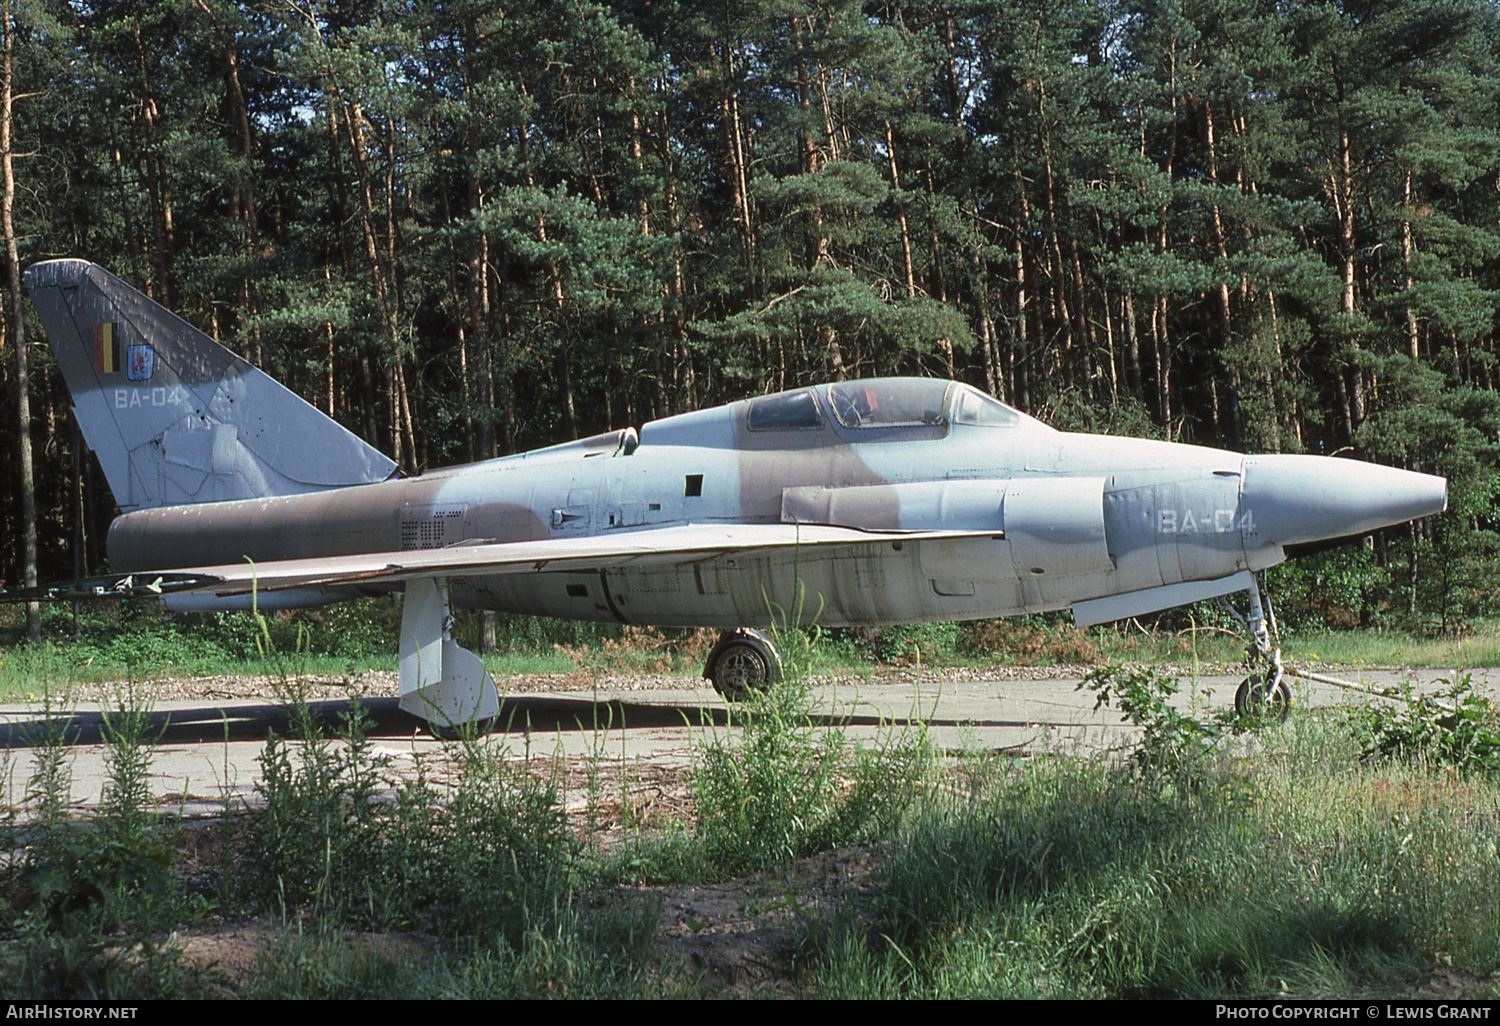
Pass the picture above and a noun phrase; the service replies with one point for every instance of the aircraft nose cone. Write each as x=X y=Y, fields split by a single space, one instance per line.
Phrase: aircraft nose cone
x=1298 y=499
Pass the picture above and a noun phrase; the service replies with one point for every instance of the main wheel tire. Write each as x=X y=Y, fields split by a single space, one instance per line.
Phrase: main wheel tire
x=742 y=663
x=1265 y=694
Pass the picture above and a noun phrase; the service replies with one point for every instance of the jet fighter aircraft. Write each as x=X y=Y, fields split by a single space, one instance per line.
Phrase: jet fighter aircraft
x=879 y=501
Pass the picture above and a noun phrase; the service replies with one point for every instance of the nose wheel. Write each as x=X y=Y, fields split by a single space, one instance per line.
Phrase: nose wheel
x=1264 y=695
x=742 y=663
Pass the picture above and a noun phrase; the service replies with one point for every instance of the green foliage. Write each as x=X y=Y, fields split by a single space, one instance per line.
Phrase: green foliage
x=1173 y=743
x=910 y=643
x=1454 y=726
x=516 y=869
x=1426 y=424
x=1066 y=878
x=1282 y=866
x=1121 y=415
x=340 y=839
x=133 y=641
x=320 y=815
x=1343 y=587
x=782 y=783
x=1456 y=566
x=539 y=634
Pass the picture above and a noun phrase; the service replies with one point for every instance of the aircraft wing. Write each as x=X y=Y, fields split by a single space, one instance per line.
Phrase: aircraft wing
x=682 y=544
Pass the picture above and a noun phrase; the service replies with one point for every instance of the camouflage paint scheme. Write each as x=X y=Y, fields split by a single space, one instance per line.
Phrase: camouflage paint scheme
x=891 y=500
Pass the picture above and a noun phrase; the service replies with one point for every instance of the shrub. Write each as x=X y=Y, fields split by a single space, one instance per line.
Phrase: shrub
x=1454 y=727
x=1172 y=743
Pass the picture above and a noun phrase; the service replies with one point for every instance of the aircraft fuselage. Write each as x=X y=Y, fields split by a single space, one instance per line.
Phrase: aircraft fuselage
x=1073 y=517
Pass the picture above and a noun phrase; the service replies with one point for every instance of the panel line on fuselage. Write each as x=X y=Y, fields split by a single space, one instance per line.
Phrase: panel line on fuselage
x=609 y=597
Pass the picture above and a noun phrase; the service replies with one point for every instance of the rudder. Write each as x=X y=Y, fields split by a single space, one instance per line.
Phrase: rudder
x=174 y=417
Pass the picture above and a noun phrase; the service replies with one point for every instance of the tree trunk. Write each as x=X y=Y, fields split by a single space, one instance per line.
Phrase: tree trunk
x=1057 y=272
x=1230 y=425
x=163 y=223
x=1021 y=348
x=241 y=191
x=1339 y=185
x=734 y=150
x=399 y=433
x=1408 y=252
x=909 y=274
x=17 y=325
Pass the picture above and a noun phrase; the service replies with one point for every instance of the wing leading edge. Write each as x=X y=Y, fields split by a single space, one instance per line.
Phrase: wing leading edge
x=688 y=543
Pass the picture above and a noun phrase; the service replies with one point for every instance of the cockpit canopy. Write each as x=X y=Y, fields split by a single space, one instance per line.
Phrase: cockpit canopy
x=889 y=402
x=880 y=403
x=867 y=410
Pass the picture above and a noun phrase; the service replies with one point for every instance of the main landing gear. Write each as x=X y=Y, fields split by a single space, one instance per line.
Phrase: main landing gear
x=743 y=662
x=442 y=683
x=1265 y=693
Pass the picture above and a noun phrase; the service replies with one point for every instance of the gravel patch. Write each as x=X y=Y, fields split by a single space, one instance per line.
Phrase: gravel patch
x=384 y=684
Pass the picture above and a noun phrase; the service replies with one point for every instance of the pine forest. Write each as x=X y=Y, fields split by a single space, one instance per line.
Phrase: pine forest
x=466 y=228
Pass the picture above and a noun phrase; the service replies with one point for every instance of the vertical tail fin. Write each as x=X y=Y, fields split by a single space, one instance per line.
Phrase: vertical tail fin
x=174 y=417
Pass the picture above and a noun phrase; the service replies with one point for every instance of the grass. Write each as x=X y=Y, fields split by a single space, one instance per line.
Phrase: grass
x=1291 y=868
x=1478 y=646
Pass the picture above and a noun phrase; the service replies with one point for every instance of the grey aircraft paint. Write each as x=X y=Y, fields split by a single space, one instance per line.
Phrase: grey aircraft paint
x=887 y=500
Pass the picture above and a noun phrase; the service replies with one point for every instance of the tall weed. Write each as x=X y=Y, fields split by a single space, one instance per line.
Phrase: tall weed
x=1172 y=743
x=780 y=782
x=319 y=818
x=97 y=897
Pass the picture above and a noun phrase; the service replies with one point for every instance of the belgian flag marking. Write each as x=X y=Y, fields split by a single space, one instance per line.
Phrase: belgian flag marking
x=105 y=349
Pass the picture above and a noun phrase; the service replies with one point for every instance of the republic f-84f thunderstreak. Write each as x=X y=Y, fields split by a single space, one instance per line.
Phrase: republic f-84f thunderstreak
x=882 y=501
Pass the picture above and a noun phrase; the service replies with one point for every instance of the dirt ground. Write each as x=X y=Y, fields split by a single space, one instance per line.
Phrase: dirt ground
x=739 y=936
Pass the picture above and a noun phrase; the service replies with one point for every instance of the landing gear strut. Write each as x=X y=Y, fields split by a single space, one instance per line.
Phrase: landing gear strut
x=1265 y=693
x=743 y=662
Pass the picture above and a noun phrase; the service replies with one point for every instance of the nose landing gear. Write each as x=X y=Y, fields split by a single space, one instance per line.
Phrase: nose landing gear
x=1265 y=693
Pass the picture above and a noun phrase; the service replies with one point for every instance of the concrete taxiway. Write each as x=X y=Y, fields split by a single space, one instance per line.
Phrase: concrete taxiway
x=207 y=752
